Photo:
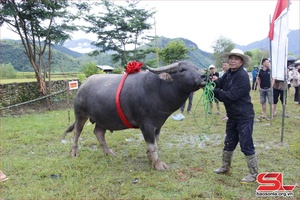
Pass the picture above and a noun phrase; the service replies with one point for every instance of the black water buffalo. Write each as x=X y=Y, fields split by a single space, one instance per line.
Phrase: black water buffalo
x=147 y=99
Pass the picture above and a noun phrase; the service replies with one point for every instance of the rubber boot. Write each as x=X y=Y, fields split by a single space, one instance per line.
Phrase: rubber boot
x=226 y=162
x=253 y=167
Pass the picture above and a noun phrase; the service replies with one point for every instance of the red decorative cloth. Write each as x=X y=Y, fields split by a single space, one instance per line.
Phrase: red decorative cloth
x=131 y=68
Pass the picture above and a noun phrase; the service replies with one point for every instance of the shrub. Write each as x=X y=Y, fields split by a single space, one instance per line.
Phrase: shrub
x=7 y=71
x=89 y=69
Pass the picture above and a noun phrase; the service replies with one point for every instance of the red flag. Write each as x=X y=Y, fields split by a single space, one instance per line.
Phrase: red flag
x=281 y=5
x=278 y=35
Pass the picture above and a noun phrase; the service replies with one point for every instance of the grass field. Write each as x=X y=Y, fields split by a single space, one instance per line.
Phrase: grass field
x=38 y=164
x=23 y=77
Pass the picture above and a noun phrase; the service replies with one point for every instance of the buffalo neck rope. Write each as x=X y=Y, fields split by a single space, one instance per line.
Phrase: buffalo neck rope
x=131 y=68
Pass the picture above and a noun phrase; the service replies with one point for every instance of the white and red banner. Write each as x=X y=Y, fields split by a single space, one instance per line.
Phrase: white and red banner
x=278 y=35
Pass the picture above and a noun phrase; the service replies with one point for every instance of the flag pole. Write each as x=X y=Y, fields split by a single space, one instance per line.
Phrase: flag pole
x=284 y=101
x=285 y=80
x=271 y=107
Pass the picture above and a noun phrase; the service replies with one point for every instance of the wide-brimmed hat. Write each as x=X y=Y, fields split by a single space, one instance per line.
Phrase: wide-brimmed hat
x=239 y=53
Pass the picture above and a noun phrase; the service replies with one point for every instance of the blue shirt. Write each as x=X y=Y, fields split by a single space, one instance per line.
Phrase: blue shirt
x=254 y=73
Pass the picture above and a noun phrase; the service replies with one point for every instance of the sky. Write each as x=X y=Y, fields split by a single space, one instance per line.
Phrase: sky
x=205 y=21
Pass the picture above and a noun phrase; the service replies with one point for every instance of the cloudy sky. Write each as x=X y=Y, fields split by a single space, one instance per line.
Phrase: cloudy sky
x=203 y=21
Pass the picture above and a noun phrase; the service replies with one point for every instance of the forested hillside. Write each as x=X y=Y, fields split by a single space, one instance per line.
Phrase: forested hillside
x=12 y=52
x=63 y=59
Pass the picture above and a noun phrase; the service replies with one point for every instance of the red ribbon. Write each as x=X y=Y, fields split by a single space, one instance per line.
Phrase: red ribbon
x=132 y=67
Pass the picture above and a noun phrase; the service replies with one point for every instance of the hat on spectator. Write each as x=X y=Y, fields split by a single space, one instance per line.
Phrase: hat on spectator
x=211 y=67
x=239 y=53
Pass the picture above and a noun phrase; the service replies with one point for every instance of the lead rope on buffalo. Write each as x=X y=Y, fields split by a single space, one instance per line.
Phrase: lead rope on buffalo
x=206 y=98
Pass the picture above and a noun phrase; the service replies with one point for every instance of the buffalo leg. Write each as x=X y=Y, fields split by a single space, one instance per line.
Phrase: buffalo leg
x=100 y=134
x=152 y=149
x=77 y=131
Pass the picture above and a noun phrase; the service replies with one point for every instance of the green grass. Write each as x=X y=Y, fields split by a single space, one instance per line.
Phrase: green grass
x=32 y=151
x=23 y=77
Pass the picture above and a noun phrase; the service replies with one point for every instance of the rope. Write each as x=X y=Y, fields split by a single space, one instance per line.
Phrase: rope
x=206 y=98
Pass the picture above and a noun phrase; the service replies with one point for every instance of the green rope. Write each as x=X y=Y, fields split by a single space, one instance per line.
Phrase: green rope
x=206 y=98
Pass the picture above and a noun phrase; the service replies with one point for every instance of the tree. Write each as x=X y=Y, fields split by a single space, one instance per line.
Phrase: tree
x=118 y=27
x=174 y=51
x=256 y=57
x=221 y=46
x=88 y=70
x=39 y=24
x=7 y=71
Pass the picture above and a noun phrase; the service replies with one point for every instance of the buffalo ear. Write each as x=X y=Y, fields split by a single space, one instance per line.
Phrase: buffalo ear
x=165 y=76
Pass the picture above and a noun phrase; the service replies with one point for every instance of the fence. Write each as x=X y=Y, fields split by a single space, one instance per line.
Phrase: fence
x=15 y=94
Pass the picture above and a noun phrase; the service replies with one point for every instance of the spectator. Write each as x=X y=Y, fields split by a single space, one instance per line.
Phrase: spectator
x=278 y=92
x=295 y=82
x=213 y=73
x=254 y=75
x=225 y=67
x=233 y=88
x=264 y=86
x=298 y=67
x=189 y=108
x=290 y=78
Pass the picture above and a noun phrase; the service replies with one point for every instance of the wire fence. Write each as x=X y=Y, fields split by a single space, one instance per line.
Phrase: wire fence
x=34 y=100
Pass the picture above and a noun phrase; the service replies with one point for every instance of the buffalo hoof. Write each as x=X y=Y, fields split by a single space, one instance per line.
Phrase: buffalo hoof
x=109 y=152
x=161 y=166
x=74 y=153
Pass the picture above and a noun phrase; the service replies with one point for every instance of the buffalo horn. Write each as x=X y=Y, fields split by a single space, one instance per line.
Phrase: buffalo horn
x=168 y=69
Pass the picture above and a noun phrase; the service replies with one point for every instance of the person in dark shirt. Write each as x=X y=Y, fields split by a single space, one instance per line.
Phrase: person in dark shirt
x=190 y=104
x=212 y=73
x=264 y=86
x=233 y=88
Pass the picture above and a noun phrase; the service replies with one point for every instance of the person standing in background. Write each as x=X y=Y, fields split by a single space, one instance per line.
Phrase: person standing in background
x=254 y=75
x=190 y=103
x=278 y=92
x=295 y=82
x=225 y=67
x=264 y=86
x=213 y=73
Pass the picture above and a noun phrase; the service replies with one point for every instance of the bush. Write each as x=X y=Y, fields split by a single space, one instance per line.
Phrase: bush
x=89 y=69
x=7 y=71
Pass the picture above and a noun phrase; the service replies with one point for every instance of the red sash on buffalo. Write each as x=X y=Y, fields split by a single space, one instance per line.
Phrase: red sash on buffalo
x=131 y=68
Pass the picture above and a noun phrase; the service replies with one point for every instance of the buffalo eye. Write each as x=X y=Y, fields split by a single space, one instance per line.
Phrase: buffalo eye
x=181 y=70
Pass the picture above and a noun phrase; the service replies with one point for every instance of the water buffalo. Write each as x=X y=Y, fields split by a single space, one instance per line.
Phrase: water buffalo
x=147 y=99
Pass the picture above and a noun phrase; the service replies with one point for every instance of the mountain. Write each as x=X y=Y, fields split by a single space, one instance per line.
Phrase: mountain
x=264 y=44
x=12 y=51
x=80 y=45
x=67 y=60
x=200 y=58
